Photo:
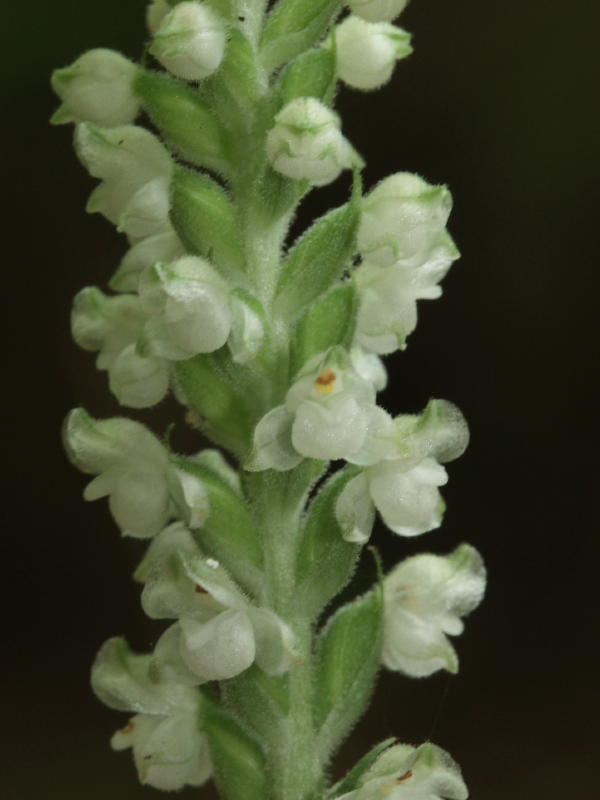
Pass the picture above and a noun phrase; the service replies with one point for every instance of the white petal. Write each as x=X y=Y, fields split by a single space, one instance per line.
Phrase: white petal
x=137 y=381
x=147 y=212
x=140 y=502
x=162 y=247
x=190 y=496
x=167 y=662
x=354 y=510
x=415 y=645
x=379 y=443
x=219 y=649
x=331 y=430
x=273 y=447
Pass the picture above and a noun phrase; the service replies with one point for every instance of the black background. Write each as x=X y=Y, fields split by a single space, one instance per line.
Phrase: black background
x=500 y=102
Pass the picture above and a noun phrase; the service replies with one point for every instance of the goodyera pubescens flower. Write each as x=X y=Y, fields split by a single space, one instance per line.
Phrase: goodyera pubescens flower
x=306 y=143
x=135 y=472
x=97 y=88
x=403 y=772
x=424 y=599
x=219 y=633
x=402 y=472
x=329 y=412
x=366 y=52
x=377 y=10
x=189 y=41
x=169 y=749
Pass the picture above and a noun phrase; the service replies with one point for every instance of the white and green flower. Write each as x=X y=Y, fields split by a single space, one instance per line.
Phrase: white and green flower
x=402 y=472
x=306 y=143
x=424 y=599
x=403 y=772
x=219 y=633
x=97 y=88
x=329 y=413
x=169 y=750
x=112 y=326
x=366 y=52
x=127 y=159
x=134 y=471
x=403 y=222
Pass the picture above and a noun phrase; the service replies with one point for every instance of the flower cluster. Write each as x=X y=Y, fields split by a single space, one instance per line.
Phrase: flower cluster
x=275 y=351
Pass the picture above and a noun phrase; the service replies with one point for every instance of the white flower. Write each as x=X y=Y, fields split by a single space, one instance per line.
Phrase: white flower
x=155 y=13
x=97 y=88
x=219 y=632
x=306 y=143
x=112 y=326
x=377 y=10
x=424 y=599
x=188 y=307
x=328 y=413
x=411 y=773
x=134 y=470
x=126 y=158
x=403 y=222
x=402 y=473
x=169 y=750
x=366 y=52
x=190 y=41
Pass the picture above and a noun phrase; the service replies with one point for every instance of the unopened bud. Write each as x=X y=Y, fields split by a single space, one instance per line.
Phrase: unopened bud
x=97 y=88
x=155 y=13
x=190 y=41
x=366 y=52
x=306 y=143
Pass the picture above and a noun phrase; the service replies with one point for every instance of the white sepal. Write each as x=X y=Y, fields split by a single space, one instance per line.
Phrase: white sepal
x=189 y=305
x=424 y=599
x=411 y=773
x=125 y=158
x=219 y=648
x=370 y=367
x=147 y=213
x=366 y=52
x=161 y=247
x=97 y=88
x=138 y=381
x=377 y=10
x=403 y=221
x=354 y=510
x=190 y=41
x=306 y=143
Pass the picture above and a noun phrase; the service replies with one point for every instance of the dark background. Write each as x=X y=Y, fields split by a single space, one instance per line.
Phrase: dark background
x=499 y=101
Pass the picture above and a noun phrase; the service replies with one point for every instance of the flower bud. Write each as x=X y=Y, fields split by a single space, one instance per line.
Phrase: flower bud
x=377 y=10
x=366 y=52
x=189 y=305
x=155 y=13
x=403 y=221
x=97 y=88
x=190 y=41
x=306 y=143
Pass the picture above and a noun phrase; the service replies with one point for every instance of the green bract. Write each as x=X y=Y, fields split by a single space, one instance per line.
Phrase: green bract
x=271 y=345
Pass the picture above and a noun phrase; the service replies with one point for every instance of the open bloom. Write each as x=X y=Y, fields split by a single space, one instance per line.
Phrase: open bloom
x=189 y=41
x=329 y=412
x=219 y=632
x=306 y=143
x=169 y=750
x=97 y=88
x=112 y=326
x=134 y=471
x=403 y=222
x=128 y=159
x=366 y=52
x=424 y=599
x=402 y=473
x=411 y=773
